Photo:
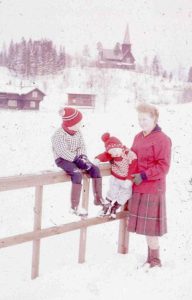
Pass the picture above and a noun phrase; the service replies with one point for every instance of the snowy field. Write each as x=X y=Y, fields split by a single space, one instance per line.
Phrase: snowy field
x=26 y=148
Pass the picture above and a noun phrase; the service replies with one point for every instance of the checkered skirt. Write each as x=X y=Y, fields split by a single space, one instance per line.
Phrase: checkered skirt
x=147 y=214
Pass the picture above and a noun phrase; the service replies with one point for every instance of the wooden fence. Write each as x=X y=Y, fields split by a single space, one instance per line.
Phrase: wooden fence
x=38 y=233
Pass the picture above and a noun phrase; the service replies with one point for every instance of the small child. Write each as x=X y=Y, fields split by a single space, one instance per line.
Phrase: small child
x=122 y=167
x=70 y=155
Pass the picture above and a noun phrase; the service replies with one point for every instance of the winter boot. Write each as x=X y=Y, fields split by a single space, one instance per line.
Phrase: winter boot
x=97 y=191
x=148 y=257
x=154 y=259
x=114 y=209
x=80 y=212
x=105 y=209
x=75 y=194
x=75 y=199
x=126 y=206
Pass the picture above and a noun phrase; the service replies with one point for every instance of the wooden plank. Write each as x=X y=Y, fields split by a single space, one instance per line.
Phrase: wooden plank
x=55 y=230
x=123 y=239
x=37 y=226
x=31 y=180
x=42 y=178
x=83 y=231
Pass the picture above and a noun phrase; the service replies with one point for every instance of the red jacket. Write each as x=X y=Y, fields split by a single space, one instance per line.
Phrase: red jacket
x=120 y=167
x=154 y=154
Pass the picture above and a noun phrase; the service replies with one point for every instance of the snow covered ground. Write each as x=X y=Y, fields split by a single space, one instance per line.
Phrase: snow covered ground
x=25 y=148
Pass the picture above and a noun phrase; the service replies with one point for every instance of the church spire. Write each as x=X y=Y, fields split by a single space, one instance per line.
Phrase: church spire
x=127 y=36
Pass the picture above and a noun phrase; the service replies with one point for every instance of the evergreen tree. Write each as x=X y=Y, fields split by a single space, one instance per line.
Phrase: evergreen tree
x=99 y=46
x=61 y=60
x=164 y=75
x=156 y=66
x=170 y=76
x=145 y=65
x=117 y=49
x=32 y=58
x=190 y=75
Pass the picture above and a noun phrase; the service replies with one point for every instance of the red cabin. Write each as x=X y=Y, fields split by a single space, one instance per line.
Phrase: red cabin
x=25 y=99
x=82 y=100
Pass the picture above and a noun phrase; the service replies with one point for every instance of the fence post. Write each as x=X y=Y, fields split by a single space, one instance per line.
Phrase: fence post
x=37 y=226
x=123 y=240
x=83 y=231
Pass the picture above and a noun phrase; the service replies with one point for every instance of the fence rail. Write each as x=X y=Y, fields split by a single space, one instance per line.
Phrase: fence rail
x=38 y=180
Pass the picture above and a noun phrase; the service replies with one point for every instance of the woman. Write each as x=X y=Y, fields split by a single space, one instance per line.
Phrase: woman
x=147 y=210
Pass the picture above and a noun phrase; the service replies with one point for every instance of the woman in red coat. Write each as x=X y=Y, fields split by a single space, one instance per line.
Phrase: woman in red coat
x=147 y=210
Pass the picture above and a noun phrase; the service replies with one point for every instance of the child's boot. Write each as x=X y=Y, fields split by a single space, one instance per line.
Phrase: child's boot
x=75 y=200
x=97 y=191
x=114 y=209
x=81 y=212
x=105 y=209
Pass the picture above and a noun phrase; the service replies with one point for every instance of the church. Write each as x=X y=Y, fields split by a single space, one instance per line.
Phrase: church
x=120 y=57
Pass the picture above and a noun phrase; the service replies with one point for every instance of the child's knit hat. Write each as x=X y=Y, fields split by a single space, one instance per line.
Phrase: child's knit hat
x=111 y=141
x=70 y=116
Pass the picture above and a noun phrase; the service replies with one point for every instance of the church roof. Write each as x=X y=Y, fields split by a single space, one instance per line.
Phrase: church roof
x=112 y=55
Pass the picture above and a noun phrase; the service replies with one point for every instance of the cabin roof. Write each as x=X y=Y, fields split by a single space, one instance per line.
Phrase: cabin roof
x=81 y=94
x=18 y=90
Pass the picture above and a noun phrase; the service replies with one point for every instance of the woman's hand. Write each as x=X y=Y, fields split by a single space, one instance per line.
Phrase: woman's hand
x=137 y=178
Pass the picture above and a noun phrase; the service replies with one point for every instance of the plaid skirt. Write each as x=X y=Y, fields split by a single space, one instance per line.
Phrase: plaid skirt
x=147 y=214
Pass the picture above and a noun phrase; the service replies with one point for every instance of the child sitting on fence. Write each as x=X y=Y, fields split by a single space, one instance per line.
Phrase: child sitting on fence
x=122 y=167
x=70 y=155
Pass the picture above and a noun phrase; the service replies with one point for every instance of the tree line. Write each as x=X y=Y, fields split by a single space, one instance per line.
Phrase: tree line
x=33 y=58
x=29 y=58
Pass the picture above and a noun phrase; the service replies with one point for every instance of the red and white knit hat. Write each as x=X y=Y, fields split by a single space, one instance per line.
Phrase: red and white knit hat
x=70 y=116
x=111 y=141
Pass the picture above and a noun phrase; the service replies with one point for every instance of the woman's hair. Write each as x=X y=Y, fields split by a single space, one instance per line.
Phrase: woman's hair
x=148 y=108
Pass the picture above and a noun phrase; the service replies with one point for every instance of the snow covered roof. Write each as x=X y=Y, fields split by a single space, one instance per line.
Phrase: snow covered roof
x=112 y=55
x=80 y=91
x=26 y=90
x=18 y=90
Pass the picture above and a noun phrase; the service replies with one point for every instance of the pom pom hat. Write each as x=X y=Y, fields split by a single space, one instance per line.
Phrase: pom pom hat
x=111 y=141
x=70 y=116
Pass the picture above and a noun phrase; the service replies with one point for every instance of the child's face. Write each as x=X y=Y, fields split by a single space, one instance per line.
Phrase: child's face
x=116 y=152
x=75 y=127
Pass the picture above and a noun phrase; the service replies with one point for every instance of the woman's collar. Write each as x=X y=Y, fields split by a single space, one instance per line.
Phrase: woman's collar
x=155 y=129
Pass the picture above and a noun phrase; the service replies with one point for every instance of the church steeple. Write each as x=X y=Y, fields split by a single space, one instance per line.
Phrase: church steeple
x=126 y=46
x=127 y=36
x=120 y=56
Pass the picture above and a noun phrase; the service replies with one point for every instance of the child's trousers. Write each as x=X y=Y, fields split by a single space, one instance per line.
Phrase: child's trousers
x=119 y=190
x=76 y=175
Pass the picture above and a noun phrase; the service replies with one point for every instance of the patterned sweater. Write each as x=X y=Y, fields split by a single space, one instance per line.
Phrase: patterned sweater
x=120 y=167
x=67 y=146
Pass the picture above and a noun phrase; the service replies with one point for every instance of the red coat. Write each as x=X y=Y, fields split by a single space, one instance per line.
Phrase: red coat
x=120 y=167
x=154 y=154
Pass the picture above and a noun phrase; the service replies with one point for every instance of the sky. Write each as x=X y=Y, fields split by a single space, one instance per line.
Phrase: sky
x=162 y=27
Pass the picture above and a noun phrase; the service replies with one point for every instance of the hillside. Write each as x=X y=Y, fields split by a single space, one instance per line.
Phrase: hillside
x=25 y=147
